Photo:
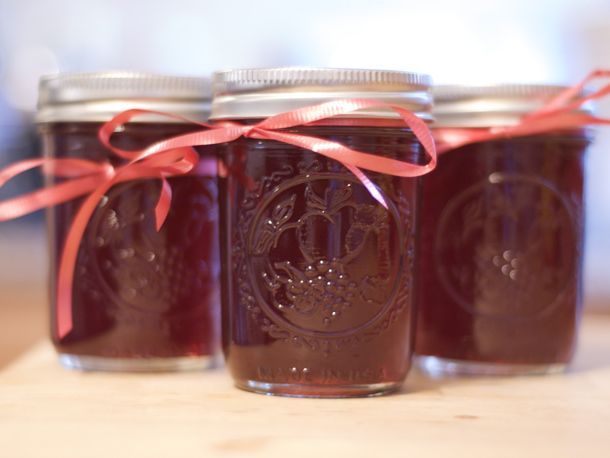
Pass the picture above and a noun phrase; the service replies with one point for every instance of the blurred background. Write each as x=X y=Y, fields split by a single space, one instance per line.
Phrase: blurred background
x=470 y=41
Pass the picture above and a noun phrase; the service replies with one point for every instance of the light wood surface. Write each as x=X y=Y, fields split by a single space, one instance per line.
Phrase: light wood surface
x=23 y=321
x=46 y=411
x=23 y=289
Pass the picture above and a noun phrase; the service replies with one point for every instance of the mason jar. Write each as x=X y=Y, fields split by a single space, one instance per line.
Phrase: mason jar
x=317 y=276
x=500 y=290
x=142 y=299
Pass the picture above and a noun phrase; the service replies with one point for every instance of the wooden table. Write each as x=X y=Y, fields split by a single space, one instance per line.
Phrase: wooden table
x=23 y=290
x=46 y=411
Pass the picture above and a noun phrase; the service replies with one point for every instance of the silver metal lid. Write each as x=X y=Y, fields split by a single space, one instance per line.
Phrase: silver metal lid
x=489 y=106
x=263 y=92
x=82 y=97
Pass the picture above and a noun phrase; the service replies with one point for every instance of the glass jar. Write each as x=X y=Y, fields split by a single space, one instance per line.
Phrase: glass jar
x=142 y=300
x=502 y=240
x=317 y=276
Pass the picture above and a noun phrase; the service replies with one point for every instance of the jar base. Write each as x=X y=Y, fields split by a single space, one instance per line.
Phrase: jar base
x=319 y=391
x=100 y=363
x=436 y=367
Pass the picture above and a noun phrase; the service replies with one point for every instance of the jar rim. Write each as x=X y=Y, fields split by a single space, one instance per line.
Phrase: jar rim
x=491 y=105
x=96 y=96
x=263 y=92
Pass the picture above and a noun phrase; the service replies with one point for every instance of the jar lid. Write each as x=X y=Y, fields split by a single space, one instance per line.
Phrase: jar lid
x=490 y=106
x=83 y=97
x=263 y=92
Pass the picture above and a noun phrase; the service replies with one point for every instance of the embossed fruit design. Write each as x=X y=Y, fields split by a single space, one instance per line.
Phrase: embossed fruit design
x=323 y=285
x=512 y=230
x=137 y=264
x=329 y=215
x=331 y=232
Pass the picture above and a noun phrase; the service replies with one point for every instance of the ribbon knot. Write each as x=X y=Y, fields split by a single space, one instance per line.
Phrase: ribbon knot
x=250 y=131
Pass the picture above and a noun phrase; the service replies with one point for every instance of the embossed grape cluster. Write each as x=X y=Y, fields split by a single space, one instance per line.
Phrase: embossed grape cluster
x=324 y=285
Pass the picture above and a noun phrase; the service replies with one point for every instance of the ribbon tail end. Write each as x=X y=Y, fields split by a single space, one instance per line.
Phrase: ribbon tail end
x=163 y=205
x=159 y=221
x=64 y=327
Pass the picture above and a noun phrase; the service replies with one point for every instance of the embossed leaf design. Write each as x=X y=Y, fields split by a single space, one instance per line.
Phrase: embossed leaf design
x=313 y=200
x=283 y=211
x=265 y=239
x=368 y=218
x=336 y=198
x=280 y=215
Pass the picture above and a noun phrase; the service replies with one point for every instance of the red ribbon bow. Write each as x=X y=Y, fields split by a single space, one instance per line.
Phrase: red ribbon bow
x=176 y=156
x=557 y=114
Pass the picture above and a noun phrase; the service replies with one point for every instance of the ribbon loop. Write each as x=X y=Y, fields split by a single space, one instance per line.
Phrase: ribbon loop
x=119 y=121
x=86 y=176
x=574 y=97
x=273 y=128
x=559 y=113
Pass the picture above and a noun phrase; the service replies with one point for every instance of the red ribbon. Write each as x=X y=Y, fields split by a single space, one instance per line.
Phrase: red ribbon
x=92 y=179
x=558 y=113
x=176 y=156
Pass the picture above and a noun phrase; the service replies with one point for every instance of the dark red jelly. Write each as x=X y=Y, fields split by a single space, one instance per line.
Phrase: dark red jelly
x=501 y=256
x=142 y=299
x=317 y=276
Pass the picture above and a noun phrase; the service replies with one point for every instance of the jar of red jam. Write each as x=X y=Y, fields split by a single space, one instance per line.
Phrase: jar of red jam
x=317 y=276
x=500 y=290
x=142 y=300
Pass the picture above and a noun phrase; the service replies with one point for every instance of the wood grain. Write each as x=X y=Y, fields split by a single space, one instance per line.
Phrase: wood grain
x=46 y=411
